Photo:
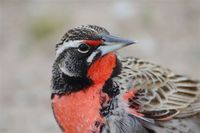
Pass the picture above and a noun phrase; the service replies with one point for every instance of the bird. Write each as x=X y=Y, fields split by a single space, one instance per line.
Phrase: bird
x=94 y=90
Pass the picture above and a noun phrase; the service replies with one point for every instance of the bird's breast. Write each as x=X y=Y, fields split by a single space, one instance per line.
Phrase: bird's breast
x=79 y=112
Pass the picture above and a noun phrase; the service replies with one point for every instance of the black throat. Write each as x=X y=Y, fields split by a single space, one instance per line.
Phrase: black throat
x=64 y=84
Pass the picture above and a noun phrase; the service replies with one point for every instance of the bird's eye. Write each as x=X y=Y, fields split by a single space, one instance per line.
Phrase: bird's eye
x=83 y=48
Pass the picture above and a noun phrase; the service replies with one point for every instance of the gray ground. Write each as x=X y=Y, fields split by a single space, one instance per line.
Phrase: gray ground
x=168 y=32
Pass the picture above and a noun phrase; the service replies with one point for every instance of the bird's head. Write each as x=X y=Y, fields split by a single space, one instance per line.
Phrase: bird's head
x=81 y=46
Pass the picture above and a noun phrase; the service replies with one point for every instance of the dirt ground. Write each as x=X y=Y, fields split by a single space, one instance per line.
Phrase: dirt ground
x=168 y=33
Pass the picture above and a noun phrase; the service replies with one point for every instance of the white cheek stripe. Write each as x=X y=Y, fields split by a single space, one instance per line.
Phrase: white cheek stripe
x=66 y=45
x=91 y=57
x=67 y=72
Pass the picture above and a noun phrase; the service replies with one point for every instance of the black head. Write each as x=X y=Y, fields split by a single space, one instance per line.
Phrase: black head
x=81 y=46
x=78 y=44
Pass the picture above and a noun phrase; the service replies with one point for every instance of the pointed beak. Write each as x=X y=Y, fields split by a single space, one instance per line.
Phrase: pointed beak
x=112 y=43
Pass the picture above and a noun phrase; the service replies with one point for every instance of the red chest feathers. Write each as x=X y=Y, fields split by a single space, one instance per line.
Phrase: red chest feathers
x=78 y=112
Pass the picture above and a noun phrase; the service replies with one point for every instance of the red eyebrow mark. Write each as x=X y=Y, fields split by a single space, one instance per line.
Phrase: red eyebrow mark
x=93 y=42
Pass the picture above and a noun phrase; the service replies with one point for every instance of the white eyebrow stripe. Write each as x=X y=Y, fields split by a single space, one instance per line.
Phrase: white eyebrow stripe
x=66 y=45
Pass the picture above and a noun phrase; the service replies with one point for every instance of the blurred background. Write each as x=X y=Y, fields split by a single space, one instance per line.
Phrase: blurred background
x=168 y=32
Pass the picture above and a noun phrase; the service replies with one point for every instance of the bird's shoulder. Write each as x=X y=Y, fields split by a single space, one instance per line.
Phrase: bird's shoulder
x=159 y=91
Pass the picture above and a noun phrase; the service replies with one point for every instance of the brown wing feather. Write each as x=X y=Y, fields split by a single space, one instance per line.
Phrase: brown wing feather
x=161 y=92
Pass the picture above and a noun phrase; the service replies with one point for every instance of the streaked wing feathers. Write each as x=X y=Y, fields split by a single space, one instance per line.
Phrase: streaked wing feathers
x=161 y=93
x=144 y=74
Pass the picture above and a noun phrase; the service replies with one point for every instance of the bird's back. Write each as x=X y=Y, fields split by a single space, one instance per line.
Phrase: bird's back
x=170 y=101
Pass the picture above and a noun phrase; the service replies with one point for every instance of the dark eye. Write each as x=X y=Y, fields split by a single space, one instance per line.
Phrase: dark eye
x=83 y=48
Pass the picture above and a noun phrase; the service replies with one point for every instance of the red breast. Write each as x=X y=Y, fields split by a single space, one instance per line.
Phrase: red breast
x=78 y=112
